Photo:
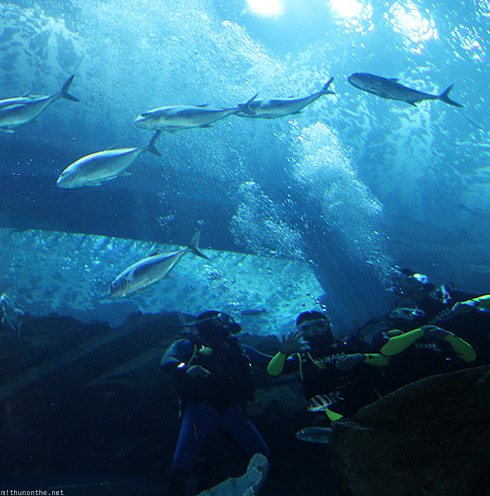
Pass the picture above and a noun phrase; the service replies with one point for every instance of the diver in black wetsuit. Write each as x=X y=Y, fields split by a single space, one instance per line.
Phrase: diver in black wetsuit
x=213 y=378
x=337 y=378
x=465 y=314
x=421 y=352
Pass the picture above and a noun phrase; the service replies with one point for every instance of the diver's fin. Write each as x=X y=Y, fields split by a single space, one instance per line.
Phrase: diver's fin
x=64 y=91
x=194 y=245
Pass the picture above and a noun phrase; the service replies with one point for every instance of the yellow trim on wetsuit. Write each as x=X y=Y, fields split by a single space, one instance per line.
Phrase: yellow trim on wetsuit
x=397 y=344
x=463 y=349
x=276 y=365
x=375 y=359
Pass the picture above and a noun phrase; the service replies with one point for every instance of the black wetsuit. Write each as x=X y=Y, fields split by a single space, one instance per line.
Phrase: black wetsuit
x=423 y=358
x=472 y=326
x=213 y=401
x=348 y=390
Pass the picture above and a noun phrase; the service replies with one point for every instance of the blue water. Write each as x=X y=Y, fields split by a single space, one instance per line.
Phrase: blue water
x=354 y=186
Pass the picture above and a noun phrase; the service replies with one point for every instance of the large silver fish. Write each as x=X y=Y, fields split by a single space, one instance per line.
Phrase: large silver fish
x=10 y=314
x=392 y=90
x=151 y=269
x=17 y=111
x=181 y=117
x=280 y=107
x=98 y=167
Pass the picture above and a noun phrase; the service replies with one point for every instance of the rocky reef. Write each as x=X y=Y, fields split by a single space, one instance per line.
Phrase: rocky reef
x=428 y=438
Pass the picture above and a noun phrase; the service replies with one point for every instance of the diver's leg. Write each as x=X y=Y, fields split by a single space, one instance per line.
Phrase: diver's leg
x=198 y=422
x=244 y=432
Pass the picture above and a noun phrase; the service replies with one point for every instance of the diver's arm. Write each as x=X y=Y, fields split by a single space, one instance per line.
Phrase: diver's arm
x=481 y=303
x=176 y=355
x=255 y=356
x=397 y=344
x=463 y=349
x=293 y=343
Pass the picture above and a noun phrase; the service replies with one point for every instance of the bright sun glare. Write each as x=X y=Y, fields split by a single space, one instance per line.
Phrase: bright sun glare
x=266 y=8
x=346 y=8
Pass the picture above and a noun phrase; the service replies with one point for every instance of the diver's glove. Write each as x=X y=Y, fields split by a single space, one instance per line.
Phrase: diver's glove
x=293 y=343
x=348 y=362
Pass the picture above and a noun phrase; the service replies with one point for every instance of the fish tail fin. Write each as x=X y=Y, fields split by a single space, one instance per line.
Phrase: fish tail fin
x=151 y=145
x=325 y=89
x=444 y=96
x=64 y=91
x=194 y=245
x=244 y=107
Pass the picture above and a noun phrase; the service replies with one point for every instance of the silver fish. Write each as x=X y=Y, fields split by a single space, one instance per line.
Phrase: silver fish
x=317 y=435
x=98 y=167
x=151 y=269
x=10 y=314
x=181 y=117
x=280 y=107
x=17 y=111
x=390 y=89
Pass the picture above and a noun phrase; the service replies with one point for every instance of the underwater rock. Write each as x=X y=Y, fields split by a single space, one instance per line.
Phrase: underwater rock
x=428 y=438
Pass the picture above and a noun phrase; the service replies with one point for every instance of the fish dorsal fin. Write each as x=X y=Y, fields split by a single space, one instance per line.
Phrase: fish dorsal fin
x=153 y=251
x=25 y=95
x=112 y=147
x=203 y=105
x=395 y=80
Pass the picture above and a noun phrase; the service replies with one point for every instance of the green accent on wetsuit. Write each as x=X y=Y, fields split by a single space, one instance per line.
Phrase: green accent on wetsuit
x=276 y=365
x=463 y=349
x=397 y=344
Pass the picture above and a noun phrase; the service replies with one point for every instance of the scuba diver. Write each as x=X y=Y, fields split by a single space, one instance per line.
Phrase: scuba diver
x=421 y=352
x=213 y=378
x=337 y=378
x=465 y=314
